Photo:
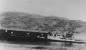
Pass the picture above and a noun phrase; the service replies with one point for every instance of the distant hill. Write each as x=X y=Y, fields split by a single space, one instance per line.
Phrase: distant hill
x=21 y=14
x=19 y=20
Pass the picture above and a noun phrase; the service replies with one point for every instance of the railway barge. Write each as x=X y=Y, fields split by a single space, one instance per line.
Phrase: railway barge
x=31 y=35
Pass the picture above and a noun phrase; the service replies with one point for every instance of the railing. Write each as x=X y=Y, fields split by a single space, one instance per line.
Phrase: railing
x=24 y=30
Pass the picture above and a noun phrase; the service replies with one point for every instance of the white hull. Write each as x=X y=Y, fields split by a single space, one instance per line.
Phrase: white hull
x=67 y=39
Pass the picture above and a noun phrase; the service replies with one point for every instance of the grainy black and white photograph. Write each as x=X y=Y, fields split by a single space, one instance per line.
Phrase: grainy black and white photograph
x=42 y=24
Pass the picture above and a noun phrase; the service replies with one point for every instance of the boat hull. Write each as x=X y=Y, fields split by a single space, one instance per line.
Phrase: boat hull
x=66 y=41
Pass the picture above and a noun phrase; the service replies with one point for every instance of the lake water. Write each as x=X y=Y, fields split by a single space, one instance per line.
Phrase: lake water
x=18 y=45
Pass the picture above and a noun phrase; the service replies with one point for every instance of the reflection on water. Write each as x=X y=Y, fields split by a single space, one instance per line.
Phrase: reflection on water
x=68 y=44
x=15 y=45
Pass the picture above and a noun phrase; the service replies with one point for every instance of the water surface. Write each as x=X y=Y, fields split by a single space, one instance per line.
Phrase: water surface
x=20 y=45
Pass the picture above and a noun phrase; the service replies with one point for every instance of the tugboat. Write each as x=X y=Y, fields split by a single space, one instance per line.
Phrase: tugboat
x=67 y=38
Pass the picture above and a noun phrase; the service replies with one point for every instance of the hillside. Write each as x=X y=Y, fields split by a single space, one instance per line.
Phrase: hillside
x=26 y=21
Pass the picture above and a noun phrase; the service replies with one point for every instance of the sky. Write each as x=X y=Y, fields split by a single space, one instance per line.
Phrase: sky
x=72 y=9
